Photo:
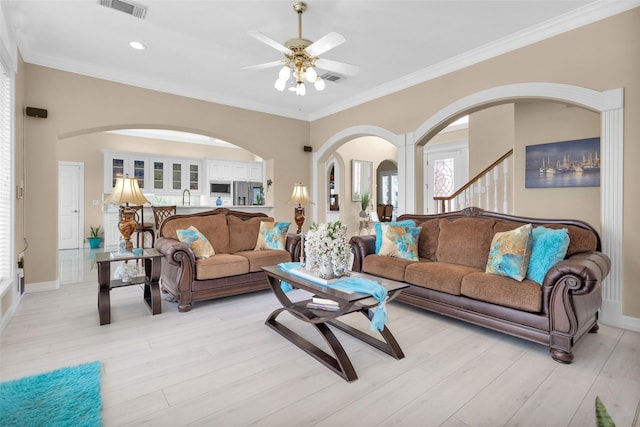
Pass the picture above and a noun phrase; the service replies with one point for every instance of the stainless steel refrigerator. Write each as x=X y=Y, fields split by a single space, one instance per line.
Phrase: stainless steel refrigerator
x=246 y=192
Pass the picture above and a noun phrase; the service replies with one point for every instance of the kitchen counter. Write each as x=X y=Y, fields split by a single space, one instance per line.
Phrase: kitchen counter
x=243 y=208
x=234 y=207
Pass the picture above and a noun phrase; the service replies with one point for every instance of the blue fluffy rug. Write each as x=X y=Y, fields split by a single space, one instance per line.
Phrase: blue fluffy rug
x=64 y=397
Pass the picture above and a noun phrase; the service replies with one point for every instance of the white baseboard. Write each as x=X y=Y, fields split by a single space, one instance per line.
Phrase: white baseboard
x=611 y=315
x=631 y=323
x=42 y=287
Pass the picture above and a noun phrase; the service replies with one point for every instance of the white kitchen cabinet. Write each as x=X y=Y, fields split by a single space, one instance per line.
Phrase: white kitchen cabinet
x=240 y=172
x=247 y=171
x=110 y=226
x=118 y=165
x=160 y=175
x=220 y=170
x=255 y=171
x=185 y=175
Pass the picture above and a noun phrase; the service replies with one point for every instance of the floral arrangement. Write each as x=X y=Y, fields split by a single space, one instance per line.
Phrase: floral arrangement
x=126 y=272
x=326 y=250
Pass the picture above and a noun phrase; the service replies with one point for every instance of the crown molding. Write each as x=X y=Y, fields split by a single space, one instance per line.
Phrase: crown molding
x=585 y=15
x=593 y=12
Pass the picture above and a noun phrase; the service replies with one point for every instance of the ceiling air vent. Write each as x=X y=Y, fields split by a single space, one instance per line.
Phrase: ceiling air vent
x=128 y=7
x=330 y=77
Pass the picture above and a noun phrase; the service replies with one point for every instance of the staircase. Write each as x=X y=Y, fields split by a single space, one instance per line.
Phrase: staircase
x=491 y=189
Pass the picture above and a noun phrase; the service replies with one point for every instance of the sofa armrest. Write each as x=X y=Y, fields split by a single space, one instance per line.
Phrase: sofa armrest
x=572 y=296
x=588 y=269
x=293 y=246
x=175 y=251
x=361 y=246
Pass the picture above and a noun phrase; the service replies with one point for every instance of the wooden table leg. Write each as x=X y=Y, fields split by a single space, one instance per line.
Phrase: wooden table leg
x=339 y=363
x=104 y=307
x=104 y=298
x=389 y=345
x=151 y=286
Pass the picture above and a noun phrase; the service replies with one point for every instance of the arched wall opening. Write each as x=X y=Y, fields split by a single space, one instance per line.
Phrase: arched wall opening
x=381 y=137
x=89 y=146
x=609 y=104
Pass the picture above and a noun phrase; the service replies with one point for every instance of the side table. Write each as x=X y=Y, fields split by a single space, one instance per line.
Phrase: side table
x=152 y=263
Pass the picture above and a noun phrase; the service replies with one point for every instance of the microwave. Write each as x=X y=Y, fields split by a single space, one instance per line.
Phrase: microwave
x=220 y=188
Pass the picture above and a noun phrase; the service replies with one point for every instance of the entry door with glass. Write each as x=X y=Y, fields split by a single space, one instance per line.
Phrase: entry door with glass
x=446 y=168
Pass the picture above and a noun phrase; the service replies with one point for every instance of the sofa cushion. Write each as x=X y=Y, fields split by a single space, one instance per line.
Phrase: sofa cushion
x=399 y=241
x=259 y=259
x=501 y=290
x=387 y=267
x=378 y=228
x=580 y=240
x=221 y=265
x=243 y=233
x=510 y=252
x=199 y=244
x=465 y=241
x=504 y=225
x=214 y=227
x=439 y=276
x=428 y=242
x=549 y=248
x=272 y=235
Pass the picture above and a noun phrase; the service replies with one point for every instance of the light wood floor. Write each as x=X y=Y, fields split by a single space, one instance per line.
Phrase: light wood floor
x=219 y=365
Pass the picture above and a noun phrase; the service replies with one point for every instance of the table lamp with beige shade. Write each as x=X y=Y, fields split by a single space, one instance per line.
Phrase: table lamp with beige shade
x=124 y=192
x=301 y=197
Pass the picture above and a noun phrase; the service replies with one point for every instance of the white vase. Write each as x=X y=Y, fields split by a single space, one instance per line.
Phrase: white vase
x=326 y=268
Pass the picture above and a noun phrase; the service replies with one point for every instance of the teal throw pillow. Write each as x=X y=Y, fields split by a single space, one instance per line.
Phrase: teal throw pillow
x=510 y=252
x=549 y=248
x=199 y=243
x=378 y=226
x=400 y=241
x=272 y=235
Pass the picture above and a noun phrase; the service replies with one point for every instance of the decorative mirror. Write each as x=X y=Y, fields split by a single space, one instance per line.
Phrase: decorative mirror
x=361 y=172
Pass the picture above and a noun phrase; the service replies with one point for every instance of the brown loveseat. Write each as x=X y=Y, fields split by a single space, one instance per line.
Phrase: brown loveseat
x=235 y=268
x=450 y=278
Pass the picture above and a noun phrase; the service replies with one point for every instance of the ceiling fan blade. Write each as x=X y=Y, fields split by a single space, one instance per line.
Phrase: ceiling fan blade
x=325 y=43
x=338 y=67
x=265 y=65
x=269 y=41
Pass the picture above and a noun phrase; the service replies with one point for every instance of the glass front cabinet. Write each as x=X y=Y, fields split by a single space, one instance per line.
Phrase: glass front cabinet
x=154 y=174
x=118 y=165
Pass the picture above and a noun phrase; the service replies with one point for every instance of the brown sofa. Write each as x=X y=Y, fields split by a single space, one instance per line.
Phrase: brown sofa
x=236 y=268
x=450 y=278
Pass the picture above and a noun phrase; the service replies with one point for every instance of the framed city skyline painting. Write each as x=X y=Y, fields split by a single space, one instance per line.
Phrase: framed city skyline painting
x=573 y=163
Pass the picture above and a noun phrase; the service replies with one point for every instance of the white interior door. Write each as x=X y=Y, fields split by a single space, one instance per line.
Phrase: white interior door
x=70 y=201
x=446 y=167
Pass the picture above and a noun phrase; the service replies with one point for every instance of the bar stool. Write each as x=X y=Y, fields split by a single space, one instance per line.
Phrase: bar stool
x=142 y=227
x=160 y=213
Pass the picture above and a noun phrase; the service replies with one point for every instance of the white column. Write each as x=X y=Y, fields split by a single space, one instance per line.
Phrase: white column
x=406 y=175
x=611 y=200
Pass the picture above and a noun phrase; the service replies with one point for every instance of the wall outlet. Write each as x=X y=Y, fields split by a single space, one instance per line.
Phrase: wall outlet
x=96 y=203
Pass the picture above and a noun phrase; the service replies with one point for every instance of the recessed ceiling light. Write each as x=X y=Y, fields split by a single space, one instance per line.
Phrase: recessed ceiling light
x=137 y=45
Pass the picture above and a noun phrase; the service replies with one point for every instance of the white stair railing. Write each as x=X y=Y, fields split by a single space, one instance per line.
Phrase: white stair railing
x=492 y=193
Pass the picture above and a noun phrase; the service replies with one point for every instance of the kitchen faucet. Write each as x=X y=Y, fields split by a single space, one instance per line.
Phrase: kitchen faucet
x=189 y=199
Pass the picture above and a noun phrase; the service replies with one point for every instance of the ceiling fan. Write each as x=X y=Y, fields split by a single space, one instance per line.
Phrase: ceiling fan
x=301 y=57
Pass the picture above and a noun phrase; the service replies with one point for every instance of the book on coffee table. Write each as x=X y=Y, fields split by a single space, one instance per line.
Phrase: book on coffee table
x=324 y=301
x=327 y=307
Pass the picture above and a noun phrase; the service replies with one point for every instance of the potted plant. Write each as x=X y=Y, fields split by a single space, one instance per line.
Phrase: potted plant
x=94 y=238
x=364 y=203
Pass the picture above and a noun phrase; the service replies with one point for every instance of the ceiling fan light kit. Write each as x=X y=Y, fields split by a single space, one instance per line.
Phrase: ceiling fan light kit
x=301 y=56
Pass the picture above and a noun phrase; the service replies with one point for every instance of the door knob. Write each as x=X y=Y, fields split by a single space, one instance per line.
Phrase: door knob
x=75 y=211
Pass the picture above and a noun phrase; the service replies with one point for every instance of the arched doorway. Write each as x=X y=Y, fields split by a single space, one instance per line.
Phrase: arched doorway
x=610 y=105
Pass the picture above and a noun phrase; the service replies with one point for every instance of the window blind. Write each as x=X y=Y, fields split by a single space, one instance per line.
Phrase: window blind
x=5 y=174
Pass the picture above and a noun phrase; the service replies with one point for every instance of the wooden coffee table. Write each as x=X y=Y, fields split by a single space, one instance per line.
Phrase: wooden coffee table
x=320 y=319
x=152 y=262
